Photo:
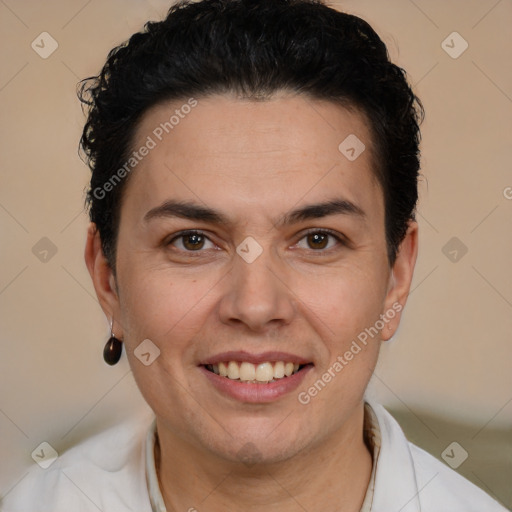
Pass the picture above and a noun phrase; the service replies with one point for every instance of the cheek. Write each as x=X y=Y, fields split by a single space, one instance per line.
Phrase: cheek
x=158 y=299
x=168 y=310
x=345 y=301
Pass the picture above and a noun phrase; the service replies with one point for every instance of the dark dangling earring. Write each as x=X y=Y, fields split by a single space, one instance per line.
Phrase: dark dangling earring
x=113 y=349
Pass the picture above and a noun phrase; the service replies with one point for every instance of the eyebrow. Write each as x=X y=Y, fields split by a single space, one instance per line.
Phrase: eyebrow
x=193 y=211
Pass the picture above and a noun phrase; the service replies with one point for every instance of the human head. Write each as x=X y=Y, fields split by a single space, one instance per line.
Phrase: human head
x=269 y=162
x=254 y=49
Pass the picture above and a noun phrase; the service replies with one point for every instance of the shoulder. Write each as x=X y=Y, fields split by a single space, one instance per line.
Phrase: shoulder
x=440 y=481
x=409 y=477
x=105 y=472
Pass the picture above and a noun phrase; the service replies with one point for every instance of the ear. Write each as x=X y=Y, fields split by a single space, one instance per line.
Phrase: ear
x=103 y=278
x=400 y=281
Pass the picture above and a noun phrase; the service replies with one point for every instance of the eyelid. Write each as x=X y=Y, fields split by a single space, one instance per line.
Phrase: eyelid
x=182 y=234
x=341 y=239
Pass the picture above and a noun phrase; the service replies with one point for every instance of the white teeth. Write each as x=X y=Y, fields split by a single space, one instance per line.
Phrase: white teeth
x=233 y=370
x=279 y=370
x=264 y=372
x=248 y=372
x=223 y=369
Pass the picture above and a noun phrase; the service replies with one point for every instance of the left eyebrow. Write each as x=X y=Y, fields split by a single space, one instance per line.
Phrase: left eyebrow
x=317 y=211
x=193 y=211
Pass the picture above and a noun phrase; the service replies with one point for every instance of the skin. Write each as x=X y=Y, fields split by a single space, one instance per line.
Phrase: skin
x=254 y=161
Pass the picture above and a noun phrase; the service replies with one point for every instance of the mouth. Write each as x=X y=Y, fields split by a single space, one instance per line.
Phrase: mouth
x=255 y=378
x=262 y=373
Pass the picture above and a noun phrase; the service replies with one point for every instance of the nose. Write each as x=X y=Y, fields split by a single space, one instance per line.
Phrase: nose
x=258 y=294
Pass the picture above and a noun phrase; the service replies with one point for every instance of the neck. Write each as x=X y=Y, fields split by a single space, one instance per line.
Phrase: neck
x=332 y=475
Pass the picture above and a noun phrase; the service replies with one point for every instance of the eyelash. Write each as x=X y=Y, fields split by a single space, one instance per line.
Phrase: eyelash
x=312 y=231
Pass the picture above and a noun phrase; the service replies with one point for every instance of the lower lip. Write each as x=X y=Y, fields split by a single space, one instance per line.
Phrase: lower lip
x=256 y=393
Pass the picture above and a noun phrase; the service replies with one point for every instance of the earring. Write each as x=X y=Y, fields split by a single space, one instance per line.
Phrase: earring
x=113 y=348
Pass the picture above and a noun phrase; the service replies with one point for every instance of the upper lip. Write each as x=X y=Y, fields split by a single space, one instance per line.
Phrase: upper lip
x=262 y=357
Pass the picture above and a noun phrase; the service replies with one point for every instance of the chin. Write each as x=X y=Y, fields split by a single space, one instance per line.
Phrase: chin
x=253 y=454
x=261 y=443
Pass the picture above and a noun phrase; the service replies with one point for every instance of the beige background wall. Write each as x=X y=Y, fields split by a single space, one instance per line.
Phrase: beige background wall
x=446 y=375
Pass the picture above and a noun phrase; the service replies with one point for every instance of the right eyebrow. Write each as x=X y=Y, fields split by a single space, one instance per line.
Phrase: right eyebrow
x=186 y=210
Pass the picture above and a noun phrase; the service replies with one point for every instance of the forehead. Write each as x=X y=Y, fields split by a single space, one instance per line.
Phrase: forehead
x=236 y=154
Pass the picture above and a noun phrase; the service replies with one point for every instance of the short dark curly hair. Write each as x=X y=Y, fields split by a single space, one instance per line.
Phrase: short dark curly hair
x=253 y=49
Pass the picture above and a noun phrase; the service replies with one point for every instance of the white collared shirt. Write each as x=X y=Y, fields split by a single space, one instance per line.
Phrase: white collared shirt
x=114 y=471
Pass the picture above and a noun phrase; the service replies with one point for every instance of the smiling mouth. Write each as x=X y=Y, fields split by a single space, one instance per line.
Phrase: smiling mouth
x=256 y=373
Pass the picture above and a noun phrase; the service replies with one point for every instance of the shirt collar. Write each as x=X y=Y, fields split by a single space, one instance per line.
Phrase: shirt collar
x=155 y=496
x=372 y=437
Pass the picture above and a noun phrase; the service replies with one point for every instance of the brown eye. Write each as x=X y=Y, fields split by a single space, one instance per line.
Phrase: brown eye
x=317 y=240
x=191 y=241
x=321 y=240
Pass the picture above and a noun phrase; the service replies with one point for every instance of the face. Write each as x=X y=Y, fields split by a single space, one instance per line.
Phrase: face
x=278 y=256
